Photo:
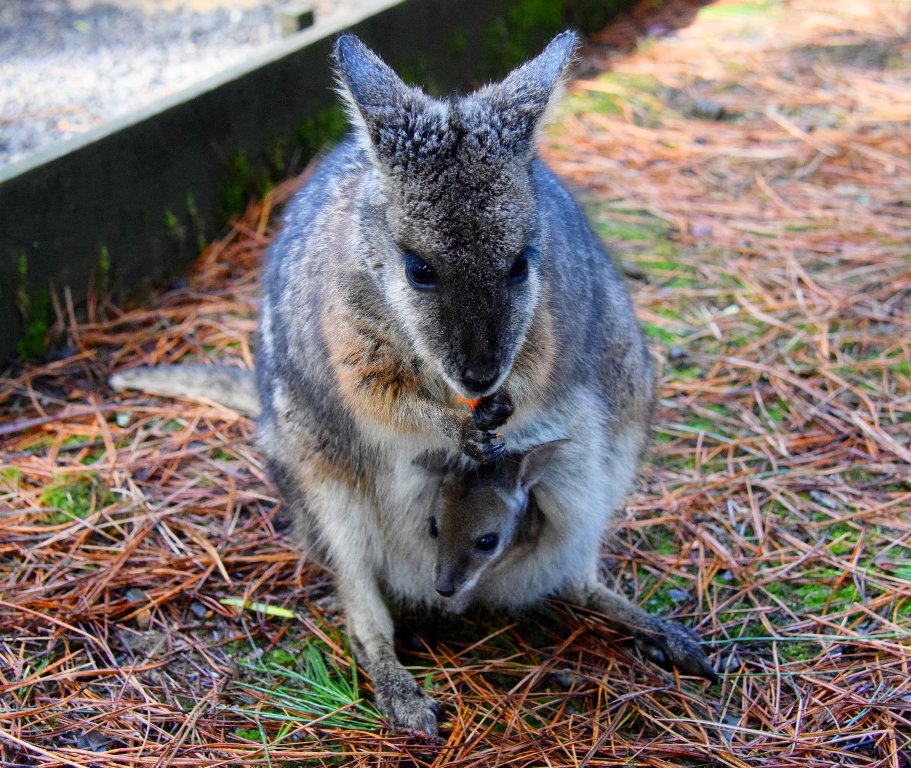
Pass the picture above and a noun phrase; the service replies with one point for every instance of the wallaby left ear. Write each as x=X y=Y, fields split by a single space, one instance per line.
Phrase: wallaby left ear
x=524 y=97
x=535 y=460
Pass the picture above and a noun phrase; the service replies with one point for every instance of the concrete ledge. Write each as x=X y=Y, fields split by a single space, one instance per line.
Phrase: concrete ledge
x=131 y=203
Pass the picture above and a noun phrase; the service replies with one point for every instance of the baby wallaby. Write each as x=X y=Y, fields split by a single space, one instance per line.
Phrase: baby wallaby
x=493 y=547
x=484 y=518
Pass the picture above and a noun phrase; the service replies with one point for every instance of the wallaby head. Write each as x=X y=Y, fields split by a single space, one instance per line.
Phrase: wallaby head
x=453 y=231
x=480 y=513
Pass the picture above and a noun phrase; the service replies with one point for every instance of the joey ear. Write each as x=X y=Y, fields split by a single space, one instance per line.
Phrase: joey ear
x=376 y=97
x=525 y=96
x=535 y=460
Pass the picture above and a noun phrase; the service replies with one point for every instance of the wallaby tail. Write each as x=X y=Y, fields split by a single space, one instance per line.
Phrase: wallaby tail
x=232 y=387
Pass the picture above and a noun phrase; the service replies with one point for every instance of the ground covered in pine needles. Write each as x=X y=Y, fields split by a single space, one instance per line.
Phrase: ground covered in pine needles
x=752 y=171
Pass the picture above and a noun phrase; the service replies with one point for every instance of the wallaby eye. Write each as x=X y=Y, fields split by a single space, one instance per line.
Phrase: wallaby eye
x=434 y=531
x=518 y=273
x=419 y=273
x=488 y=542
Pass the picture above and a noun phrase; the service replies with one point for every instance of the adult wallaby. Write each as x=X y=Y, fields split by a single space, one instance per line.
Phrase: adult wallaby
x=432 y=257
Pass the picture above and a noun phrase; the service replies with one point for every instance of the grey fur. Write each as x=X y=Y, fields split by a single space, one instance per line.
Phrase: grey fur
x=478 y=502
x=231 y=387
x=358 y=371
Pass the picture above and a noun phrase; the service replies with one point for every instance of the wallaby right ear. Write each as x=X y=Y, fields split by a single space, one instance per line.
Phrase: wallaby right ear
x=525 y=97
x=375 y=95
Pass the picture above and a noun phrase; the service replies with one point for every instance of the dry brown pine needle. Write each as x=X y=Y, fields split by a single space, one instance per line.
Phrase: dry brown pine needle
x=750 y=164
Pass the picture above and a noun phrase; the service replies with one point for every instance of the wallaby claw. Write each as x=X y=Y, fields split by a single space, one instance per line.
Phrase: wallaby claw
x=493 y=411
x=482 y=446
x=671 y=644
x=485 y=450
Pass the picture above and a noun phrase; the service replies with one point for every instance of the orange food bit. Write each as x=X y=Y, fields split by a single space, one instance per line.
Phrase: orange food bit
x=470 y=403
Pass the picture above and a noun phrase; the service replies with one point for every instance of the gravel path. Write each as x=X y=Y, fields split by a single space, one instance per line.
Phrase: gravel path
x=69 y=65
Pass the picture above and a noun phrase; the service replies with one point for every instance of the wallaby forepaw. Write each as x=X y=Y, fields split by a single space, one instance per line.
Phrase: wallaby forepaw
x=480 y=445
x=409 y=709
x=671 y=644
x=493 y=411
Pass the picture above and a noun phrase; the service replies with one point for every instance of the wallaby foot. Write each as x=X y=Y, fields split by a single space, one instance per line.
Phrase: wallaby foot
x=664 y=642
x=400 y=698
x=670 y=644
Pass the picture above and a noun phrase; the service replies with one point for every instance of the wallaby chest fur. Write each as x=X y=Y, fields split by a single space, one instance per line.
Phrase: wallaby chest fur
x=337 y=362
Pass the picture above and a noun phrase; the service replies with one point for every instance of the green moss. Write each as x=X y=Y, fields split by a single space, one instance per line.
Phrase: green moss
x=10 y=478
x=37 y=312
x=196 y=221
x=175 y=228
x=799 y=650
x=250 y=734
x=33 y=343
x=234 y=193
x=816 y=596
x=643 y=228
x=661 y=333
x=279 y=657
x=74 y=498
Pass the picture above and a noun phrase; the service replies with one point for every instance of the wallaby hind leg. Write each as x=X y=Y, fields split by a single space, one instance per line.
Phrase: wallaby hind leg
x=665 y=642
x=330 y=521
x=370 y=628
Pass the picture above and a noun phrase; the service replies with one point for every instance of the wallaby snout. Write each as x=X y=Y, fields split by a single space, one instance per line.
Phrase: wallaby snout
x=481 y=374
x=447 y=580
x=444 y=586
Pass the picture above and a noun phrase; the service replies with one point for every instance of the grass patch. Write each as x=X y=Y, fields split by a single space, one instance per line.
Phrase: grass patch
x=308 y=687
x=74 y=498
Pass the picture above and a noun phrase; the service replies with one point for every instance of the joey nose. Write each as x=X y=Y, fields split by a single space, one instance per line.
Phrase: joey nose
x=481 y=376
x=444 y=587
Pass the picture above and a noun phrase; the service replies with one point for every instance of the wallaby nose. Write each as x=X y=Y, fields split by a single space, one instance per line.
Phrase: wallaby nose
x=479 y=377
x=445 y=587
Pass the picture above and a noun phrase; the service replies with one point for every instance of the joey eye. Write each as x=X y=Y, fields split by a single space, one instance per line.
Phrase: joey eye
x=488 y=542
x=434 y=531
x=419 y=273
x=518 y=273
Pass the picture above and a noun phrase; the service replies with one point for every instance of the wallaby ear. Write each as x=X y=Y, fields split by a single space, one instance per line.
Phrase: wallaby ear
x=375 y=95
x=535 y=460
x=437 y=462
x=524 y=97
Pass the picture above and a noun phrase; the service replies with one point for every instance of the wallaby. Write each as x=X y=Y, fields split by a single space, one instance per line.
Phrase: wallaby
x=487 y=527
x=433 y=257
x=484 y=518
